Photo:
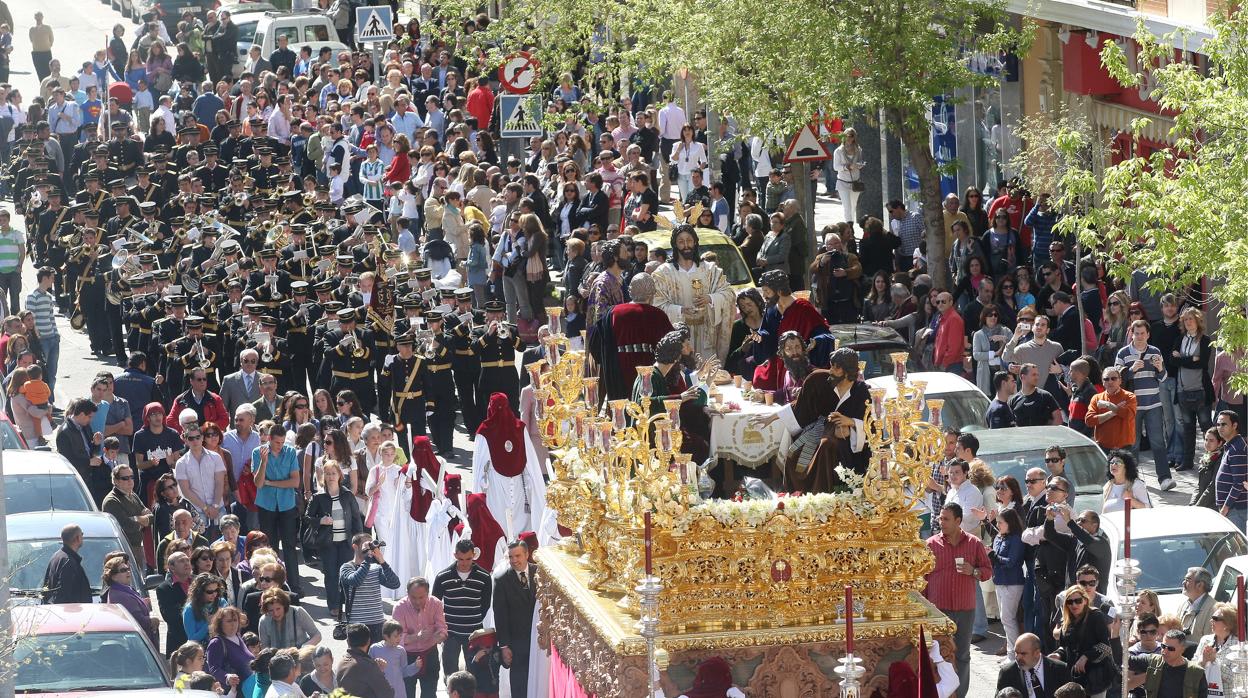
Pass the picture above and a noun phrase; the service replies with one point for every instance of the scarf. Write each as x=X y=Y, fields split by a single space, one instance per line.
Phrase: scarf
x=504 y=435
x=485 y=530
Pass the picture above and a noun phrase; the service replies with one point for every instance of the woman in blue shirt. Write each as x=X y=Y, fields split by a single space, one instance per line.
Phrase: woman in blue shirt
x=277 y=485
x=205 y=597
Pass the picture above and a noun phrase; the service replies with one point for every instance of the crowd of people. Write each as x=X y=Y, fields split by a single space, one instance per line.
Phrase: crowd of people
x=310 y=276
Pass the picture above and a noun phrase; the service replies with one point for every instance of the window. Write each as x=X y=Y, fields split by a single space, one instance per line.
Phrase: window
x=291 y=33
x=1160 y=557
x=41 y=492
x=29 y=560
x=246 y=32
x=1226 y=585
x=67 y=662
x=316 y=32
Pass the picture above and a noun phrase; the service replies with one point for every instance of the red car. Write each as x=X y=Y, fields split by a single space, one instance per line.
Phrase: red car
x=87 y=650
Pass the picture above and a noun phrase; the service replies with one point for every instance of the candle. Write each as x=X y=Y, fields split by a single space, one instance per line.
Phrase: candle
x=877 y=402
x=591 y=394
x=553 y=314
x=1126 y=525
x=1239 y=599
x=673 y=412
x=618 y=416
x=649 y=547
x=849 y=620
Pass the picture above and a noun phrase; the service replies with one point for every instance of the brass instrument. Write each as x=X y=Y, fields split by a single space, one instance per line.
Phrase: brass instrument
x=425 y=339
x=77 y=318
x=201 y=354
x=504 y=331
x=267 y=354
x=240 y=198
x=309 y=198
x=357 y=349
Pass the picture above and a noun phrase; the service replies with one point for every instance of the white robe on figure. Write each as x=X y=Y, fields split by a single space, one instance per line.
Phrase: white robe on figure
x=674 y=292
x=440 y=542
x=517 y=503
x=393 y=522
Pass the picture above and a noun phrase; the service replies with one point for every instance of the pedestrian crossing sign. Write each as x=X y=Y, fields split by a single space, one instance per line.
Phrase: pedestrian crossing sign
x=521 y=115
x=374 y=23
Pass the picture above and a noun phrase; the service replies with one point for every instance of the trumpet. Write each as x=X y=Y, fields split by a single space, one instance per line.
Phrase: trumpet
x=427 y=347
x=240 y=198
x=267 y=354
x=202 y=355
x=504 y=331
x=357 y=350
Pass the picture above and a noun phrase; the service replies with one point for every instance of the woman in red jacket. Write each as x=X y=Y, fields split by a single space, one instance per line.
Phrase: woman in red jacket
x=400 y=169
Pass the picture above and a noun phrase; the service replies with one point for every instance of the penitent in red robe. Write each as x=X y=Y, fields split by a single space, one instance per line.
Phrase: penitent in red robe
x=637 y=326
x=801 y=317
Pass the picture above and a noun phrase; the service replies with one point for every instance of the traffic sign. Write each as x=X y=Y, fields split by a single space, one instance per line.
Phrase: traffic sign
x=521 y=115
x=518 y=73
x=806 y=147
x=374 y=23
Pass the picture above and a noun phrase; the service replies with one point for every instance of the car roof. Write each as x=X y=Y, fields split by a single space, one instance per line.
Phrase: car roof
x=74 y=617
x=1167 y=521
x=36 y=463
x=662 y=239
x=870 y=336
x=938 y=383
x=48 y=524
x=1014 y=439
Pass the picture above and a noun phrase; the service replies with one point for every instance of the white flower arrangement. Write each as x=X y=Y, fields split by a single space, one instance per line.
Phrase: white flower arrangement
x=753 y=513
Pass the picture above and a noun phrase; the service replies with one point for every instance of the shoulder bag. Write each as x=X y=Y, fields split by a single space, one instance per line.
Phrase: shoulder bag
x=340 y=627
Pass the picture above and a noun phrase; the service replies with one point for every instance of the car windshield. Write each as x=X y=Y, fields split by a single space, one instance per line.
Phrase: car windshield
x=34 y=492
x=246 y=31
x=86 y=661
x=1163 y=560
x=729 y=259
x=962 y=408
x=880 y=362
x=1084 y=464
x=9 y=439
x=1226 y=584
x=29 y=560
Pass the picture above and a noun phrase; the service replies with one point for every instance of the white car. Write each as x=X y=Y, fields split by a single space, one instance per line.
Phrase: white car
x=43 y=481
x=965 y=403
x=307 y=28
x=1165 y=541
x=1224 y=582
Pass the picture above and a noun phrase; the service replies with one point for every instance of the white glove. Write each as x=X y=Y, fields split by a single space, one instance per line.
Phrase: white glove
x=389 y=360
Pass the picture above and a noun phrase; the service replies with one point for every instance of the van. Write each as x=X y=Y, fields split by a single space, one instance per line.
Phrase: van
x=312 y=29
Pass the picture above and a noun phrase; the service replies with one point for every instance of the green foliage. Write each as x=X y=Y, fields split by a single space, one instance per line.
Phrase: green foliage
x=1177 y=215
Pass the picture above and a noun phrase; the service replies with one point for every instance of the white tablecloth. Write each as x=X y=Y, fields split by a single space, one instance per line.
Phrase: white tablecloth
x=733 y=437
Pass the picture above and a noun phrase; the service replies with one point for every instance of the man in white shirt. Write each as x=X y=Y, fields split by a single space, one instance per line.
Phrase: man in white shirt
x=201 y=476
x=671 y=120
x=284 y=671
x=965 y=494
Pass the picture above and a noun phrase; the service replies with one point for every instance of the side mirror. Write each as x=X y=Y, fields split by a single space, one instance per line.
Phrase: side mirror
x=152 y=581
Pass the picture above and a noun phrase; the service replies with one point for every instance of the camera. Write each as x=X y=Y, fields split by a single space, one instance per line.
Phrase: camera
x=373 y=545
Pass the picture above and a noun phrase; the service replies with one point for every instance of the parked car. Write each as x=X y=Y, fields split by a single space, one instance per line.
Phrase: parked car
x=10 y=438
x=87 y=649
x=873 y=343
x=1016 y=450
x=127 y=8
x=1224 y=582
x=36 y=536
x=709 y=240
x=965 y=404
x=304 y=28
x=1168 y=540
x=43 y=481
x=170 y=11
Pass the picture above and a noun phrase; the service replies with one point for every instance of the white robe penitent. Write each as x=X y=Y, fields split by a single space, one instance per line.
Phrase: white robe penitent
x=674 y=292
x=439 y=541
x=393 y=522
x=517 y=503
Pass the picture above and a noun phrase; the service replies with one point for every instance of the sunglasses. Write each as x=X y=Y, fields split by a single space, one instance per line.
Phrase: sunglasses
x=1114 y=304
x=1052 y=460
x=1054 y=488
x=302 y=405
x=992 y=315
x=999 y=486
x=1218 y=618
x=264 y=579
x=1149 y=631
x=1076 y=601
x=1089 y=583
x=125 y=478
x=1033 y=480
x=212 y=591
x=342 y=403
x=249 y=361
x=1168 y=648
x=170 y=487
x=119 y=570
x=193 y=437
x=1110 y=378
x=1007 y=288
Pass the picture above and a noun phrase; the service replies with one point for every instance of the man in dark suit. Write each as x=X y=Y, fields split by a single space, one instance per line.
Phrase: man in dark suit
x=75 y=441
x=266 y=405
x=594 y=205
x=171 y=597
x=1068 y=331
x=514 y=599
x=532 y=355
x=1031 y=668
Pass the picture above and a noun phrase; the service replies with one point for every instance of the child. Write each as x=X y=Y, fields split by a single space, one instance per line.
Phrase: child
x=112 y=453
x=775 y=190
x=1081 y=393
x=390 y=650
x=336 y=183
x=143 y=106
x=91 y=109
x=575 y=318
x=40 y=396
x=486 y=660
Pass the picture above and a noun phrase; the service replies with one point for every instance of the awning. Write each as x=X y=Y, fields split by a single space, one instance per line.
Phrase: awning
x=1117 y=117
x=1108 y=17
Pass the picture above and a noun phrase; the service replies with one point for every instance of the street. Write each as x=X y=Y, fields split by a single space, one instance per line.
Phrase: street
x=82 y=27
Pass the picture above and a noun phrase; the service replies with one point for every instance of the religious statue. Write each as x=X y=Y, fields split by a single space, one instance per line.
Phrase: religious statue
x=696 y=294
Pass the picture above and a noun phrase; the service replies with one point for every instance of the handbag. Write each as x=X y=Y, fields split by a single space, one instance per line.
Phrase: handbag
x=858 y=186
x=309 y=535
x=1192 y=399
x=340 y=627
x=247 y=488
x=535 y=269
x=374 y=503
x=1099 y=676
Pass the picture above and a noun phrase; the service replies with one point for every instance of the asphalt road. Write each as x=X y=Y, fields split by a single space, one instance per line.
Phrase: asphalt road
x=81 y=26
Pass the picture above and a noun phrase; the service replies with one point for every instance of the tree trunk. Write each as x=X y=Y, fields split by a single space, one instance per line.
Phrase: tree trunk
x=918 y=146
x=806 y=206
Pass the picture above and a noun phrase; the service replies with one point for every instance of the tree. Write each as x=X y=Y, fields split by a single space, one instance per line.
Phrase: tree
x=773 y=67
x=1177 y=214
